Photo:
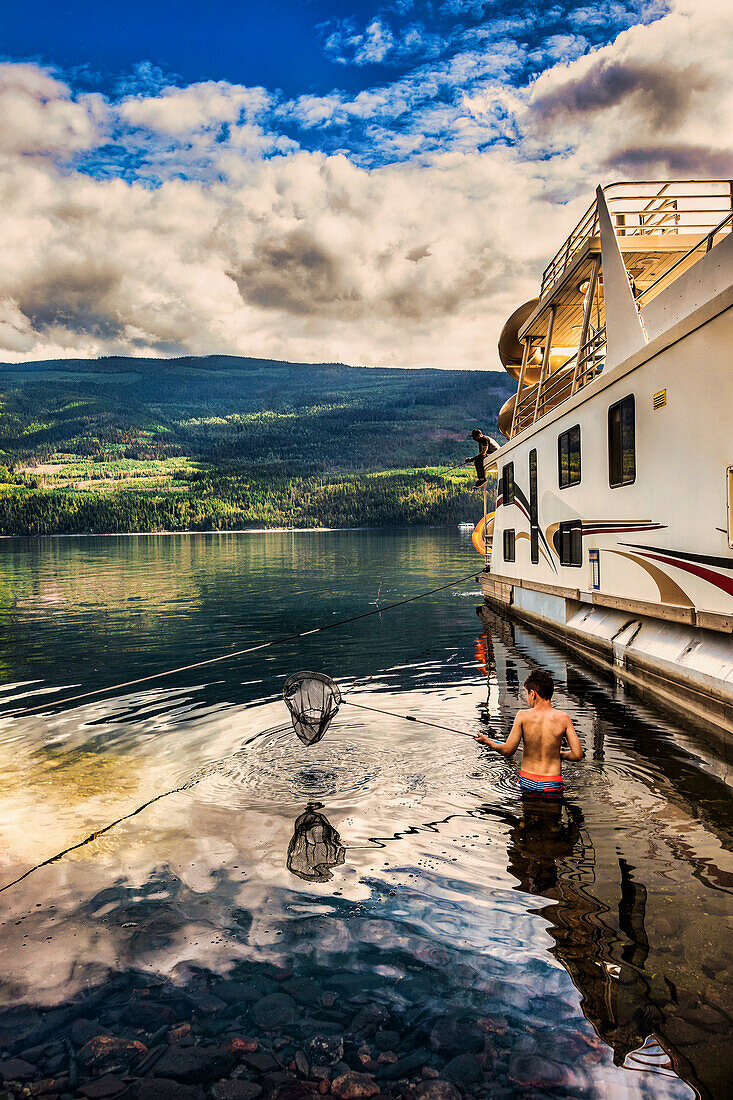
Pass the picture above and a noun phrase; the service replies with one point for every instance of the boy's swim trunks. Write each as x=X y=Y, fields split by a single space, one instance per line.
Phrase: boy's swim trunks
x=542 y=786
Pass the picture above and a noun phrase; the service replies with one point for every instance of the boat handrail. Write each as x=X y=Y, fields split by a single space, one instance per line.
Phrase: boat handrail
x=585 y=364
x=708 y=240
x=675 y=207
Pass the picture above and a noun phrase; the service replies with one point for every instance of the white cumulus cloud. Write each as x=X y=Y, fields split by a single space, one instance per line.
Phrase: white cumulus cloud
x=251 y=245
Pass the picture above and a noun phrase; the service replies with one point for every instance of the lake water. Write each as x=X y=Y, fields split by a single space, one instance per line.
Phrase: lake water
x=382 y=902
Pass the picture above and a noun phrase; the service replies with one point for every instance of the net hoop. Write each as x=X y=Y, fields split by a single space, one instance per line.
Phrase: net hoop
x=311 y=711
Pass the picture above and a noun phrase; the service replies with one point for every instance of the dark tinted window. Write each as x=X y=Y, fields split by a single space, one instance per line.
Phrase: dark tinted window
x=622 y=442
x=509 y=545
x=507 y=483
x=571 y=543
x=568 y=457
x=534 y=531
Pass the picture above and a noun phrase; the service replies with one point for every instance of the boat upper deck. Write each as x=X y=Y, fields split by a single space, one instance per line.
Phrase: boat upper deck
x=662 y=230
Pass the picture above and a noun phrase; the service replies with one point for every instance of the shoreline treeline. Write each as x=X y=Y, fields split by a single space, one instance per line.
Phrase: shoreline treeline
x=219 y=501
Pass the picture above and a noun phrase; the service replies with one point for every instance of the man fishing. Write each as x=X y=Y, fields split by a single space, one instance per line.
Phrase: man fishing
x=486 y=447
x=541 y=730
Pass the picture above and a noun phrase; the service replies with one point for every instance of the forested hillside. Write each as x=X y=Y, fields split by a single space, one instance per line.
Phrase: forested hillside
x=221 y=442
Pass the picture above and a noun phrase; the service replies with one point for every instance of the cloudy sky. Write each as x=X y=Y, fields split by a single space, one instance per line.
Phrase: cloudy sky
x=312 y=180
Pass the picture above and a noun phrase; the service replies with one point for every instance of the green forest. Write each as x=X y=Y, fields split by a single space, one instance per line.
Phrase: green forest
x=219 y=443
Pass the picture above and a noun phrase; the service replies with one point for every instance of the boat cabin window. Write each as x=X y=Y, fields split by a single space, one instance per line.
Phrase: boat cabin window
x=568 y=457
x=622 y=443
x=509 y=545
x=507 y=483
x=571 y=543
x=534 y=530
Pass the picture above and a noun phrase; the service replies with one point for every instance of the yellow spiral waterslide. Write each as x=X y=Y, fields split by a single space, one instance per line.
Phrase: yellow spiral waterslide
x=483 y=534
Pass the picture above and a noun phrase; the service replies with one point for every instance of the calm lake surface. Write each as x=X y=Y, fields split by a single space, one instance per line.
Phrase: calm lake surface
x=380 y=902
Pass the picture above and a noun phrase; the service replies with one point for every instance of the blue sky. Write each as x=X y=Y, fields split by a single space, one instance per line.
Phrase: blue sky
x=294 y=45
x=423 y=57
x=370 y=183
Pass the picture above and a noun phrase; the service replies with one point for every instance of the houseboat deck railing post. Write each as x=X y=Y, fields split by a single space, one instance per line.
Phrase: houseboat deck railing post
x=545 y=361
x=587 y=310
x=486 y=543
x=520 y=384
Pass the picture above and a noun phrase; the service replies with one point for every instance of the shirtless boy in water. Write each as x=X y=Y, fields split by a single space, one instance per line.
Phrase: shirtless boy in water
x=541 y=730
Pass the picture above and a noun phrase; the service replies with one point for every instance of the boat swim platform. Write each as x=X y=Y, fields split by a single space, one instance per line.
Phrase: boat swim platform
x=676 y=658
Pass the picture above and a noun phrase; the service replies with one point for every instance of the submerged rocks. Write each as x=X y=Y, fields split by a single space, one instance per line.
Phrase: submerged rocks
x=456 y=1034
x=368 y=1019
x=436 y=1090
x=261 y=1061
x=82 y=1030
x=324 y=1050
x=194 y=1065
x=536 y=1071
x=16 y=1069
x=109 y=1052
x=290 y=1089
x=275 y=1010
x=236 y=1090
x=464 y=1070
x=240 y=1045
x=102 y=1088
x=155 y=1088
x=17 y=1024
x=354 y=1086
x=147 y=1014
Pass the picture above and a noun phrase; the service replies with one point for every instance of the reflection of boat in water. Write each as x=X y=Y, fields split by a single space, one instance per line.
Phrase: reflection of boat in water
x=613 y=530
x=634 y=911
x=315 y=846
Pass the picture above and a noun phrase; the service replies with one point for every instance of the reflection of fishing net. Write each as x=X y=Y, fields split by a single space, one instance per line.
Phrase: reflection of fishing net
x=313 y=701
x=315 y=847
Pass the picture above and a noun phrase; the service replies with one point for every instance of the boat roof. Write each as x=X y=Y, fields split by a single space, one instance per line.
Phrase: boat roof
x=661 y=228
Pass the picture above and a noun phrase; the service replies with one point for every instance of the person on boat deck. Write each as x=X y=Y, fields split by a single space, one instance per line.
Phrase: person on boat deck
x=541 y=730
x=486 y=447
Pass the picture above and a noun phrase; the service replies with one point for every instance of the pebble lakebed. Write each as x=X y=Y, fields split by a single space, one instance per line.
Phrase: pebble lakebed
x=268 y=1032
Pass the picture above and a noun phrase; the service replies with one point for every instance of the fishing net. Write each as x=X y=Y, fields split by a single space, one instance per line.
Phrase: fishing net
x=315 y=847
x=313 y=701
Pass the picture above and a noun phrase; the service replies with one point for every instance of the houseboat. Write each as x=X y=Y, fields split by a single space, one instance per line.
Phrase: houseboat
x=613 y=529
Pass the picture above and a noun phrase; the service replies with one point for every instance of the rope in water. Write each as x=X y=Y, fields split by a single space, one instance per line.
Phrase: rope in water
x=237 y=653
x=191 y=782
x=410 y=718
x=202 y=773
x=196 y=779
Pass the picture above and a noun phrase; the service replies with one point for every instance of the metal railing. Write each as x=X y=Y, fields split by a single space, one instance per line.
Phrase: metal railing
x=590 y=360
x=707 y=241
x=648 y=208
x=677 y=207
x=577 y=371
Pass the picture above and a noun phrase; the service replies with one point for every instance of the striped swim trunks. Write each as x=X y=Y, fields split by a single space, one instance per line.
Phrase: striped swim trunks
x=540 y=786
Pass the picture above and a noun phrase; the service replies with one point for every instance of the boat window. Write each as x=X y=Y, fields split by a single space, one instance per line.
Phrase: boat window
x=622 y=443
x=534 y=530
x=509 y=544
x=571 y=543
x=507 y=483
x=568 y=457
